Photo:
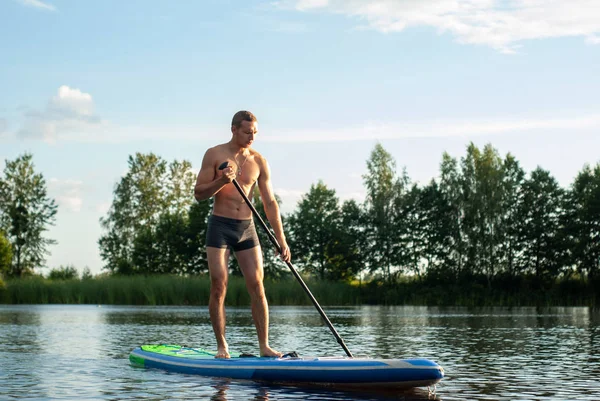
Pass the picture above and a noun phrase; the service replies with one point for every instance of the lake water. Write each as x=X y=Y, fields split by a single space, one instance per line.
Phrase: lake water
x=81 y=352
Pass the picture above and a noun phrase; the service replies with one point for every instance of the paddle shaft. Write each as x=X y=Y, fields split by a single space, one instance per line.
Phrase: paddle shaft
x=289 y=264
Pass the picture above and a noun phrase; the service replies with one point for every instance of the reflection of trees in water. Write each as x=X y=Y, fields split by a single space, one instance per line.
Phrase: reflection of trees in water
x=494 y=350
x=22 y=339
x=20 y=329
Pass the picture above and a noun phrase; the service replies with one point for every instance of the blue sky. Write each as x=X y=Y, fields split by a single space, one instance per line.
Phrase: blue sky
x=84 y=84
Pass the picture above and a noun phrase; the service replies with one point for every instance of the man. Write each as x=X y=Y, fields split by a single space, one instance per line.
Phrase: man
x=231 y=226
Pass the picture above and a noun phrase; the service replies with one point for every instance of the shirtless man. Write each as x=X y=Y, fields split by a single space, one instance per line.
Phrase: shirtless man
x=231 y=225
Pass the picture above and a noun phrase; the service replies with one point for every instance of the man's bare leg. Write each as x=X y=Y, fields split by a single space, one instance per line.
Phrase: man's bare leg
x=217 y=266
x=251 y=265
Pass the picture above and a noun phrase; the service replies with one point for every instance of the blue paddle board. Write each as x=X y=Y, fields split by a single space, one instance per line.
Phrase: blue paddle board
x=291 y=368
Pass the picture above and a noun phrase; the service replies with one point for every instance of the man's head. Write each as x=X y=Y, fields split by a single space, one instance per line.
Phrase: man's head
x=242 y=116
x=244 y=127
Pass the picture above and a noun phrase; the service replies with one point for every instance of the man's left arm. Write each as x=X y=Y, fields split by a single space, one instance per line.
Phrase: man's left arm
x=272 y=208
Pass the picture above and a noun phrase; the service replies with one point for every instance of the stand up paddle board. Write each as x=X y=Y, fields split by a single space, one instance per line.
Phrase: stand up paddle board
x=291 y=368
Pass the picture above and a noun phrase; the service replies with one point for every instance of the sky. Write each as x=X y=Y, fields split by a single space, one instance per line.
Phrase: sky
x=85 y=84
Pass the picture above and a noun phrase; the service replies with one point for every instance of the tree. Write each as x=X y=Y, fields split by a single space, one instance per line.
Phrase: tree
x=272 y=265
x=382 y=186
x=436 y=221
x=451 y=211
x=180 y=179
x=345 y=252
x=197 y=224
x=313 y=227
x=482 y=186
x=151 y=196
x=582 y=221
x=26 y=211
x=63 y=273
x=407 y=251
x=540 y=212
x=513 y=218
x=165 y=247
x=86 y=274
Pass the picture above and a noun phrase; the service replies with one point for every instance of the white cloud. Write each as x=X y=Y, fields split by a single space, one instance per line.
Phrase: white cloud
x=427 y=129
x=501 y=24
x=69 y=116
x=311 y=4
x=70 y=111
x=67 y=193
x=37 y=4
x=71 y=102
x=593 y=40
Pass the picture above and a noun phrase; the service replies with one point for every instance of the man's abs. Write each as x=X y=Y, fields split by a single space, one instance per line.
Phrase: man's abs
x=229 y=203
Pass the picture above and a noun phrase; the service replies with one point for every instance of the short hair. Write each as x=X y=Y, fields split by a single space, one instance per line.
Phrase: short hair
x=240 y=116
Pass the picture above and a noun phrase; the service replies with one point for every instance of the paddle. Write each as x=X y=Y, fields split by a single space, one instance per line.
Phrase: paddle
x=289 y=264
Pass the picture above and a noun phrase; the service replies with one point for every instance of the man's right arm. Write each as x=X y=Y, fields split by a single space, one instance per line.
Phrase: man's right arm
x=206 y=183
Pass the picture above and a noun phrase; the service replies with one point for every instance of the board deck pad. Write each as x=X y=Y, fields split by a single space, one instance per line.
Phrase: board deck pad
x=198 y=353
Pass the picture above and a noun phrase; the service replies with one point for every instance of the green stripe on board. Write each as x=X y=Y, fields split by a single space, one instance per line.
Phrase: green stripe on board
x=137 y=361
x=183 y=352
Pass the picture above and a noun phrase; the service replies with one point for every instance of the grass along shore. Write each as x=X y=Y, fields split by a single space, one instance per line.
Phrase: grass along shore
x=165 y=290
x=178 y=290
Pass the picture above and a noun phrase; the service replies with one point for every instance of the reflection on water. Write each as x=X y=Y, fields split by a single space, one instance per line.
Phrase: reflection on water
x=228 y=390
x=81 y=351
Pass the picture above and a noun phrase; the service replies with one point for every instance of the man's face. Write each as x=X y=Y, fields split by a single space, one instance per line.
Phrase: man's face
x=245 y=134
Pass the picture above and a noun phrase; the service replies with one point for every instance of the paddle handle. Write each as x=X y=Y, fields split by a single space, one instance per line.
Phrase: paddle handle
x=289 y=264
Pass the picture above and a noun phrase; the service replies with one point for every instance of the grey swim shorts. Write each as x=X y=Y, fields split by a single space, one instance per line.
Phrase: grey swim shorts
x=237 y=234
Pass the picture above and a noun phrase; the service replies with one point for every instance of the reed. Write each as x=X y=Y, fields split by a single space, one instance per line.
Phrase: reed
x=195 y=290
x=165 y=290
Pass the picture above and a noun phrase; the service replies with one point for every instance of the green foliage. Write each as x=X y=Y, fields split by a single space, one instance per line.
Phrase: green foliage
x=540 y=237
x=63 y=273
x=582 y=221
x=272 y=264
x=513 y=219
x=313 y=227
x=5 y=255
x=482 y=184
x=148 y=227
x=383 y=187
x=346 y=250
x=484 y=228
x=327 y=238
x=26 y=211
x=86 y=274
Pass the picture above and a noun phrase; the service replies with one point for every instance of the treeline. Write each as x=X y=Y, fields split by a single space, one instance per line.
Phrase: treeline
x=482 y=222
x=483 y=216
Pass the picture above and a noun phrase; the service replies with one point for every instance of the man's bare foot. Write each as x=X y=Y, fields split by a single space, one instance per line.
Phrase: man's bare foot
x=268 y=351
x=222 y=352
